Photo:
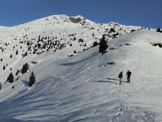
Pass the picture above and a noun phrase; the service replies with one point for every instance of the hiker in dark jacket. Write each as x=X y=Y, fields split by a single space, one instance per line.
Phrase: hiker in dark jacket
x=128 y=76
x=120 y=76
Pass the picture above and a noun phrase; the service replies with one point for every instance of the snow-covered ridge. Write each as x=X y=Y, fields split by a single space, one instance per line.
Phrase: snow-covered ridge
x=60 y=19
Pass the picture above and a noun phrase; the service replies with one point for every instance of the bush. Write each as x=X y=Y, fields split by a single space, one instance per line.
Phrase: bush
x=32 y=80
x=75 y=51
x=158 y=30
x=112 y=30
x=95 y=43
x=24 y=55
x=17 y=72
x=80 y=40
x=132 y=30
x=75 y=20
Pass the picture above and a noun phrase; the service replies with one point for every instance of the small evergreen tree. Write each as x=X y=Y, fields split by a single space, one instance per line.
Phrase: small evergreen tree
x=11 y=56
x=158 y=30
x=32 y=80
x=4 y=67
x=74 y=38
x=17 y=52
x=17 y=72
x=10 y=78
x=25 y=68
x=103 y=45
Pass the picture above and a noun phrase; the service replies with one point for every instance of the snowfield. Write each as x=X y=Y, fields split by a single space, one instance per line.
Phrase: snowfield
x=82 y=87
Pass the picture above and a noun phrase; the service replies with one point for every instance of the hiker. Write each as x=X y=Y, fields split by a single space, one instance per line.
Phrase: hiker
x=128 y=76
x=120 y=76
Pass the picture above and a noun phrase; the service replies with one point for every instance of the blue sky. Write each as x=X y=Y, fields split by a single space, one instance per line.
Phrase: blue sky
x=147 y=13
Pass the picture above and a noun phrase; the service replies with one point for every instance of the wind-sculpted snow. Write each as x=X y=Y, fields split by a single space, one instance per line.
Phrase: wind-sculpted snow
x=6 y=118
x=54 y=99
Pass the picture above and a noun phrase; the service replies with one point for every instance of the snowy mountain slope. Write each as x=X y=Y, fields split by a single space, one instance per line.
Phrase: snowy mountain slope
x=51 y=34
x=85 y=87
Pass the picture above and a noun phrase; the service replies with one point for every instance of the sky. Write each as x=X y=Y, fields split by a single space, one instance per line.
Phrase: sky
x=146 y=13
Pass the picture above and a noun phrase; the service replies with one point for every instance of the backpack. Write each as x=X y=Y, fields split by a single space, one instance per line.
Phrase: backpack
x=120 y=75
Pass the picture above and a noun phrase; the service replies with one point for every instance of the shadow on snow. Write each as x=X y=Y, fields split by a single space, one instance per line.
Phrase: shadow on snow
x=110 y=80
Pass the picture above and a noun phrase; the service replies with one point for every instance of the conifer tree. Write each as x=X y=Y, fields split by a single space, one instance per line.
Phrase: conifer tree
x=32 y=79
x=25 y=68
x=10 y=78
x=103 y=45
x=4 y=67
